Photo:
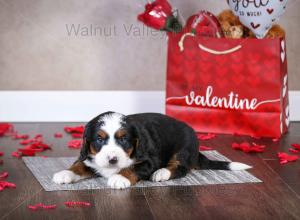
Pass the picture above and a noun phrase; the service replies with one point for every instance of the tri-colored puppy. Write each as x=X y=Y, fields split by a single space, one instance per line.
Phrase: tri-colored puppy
x=126 y=149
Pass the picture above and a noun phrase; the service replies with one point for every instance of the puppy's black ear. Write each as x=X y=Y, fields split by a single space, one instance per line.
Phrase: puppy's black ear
x=85 y=143
x=143 y=143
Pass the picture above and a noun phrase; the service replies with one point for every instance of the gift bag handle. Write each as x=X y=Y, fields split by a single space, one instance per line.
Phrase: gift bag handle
x=206 y=49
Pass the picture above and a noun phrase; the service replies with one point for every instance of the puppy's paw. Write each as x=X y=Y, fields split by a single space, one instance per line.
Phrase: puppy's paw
x=65 y=176
x=162 y=174
x=118 y=181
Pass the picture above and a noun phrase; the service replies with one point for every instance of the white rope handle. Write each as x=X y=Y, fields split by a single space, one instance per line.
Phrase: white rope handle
x=206 y=49
x=180 y=43
x=216 y=52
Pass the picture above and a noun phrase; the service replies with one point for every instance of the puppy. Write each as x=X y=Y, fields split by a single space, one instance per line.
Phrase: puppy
x=126 y=149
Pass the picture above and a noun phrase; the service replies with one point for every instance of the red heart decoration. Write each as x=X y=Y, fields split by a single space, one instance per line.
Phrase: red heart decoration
x=270 y=10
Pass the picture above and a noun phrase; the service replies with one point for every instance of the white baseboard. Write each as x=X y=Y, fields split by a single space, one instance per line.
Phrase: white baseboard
x=81 y=106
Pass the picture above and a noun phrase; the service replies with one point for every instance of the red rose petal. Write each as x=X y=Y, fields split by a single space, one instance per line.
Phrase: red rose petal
x=294 y=151
x=76 y=129
x=248 y=148
x=1 y=153
x=296 y=146
x=205 y=148
x=75 y=144
x=20 y=136
x=5 y=128
x=4 y=185
x=58 y=135
x=205 y=137
x=285 y=158
x=3 y=175
x=77 y=135
x=41 y=206
x=27 y=152
x=16 y=154
x=72 y=204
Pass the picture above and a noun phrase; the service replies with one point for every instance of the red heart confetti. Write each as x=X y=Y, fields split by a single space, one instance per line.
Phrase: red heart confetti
x=294 y=151
x=58 y=135
x=3 y=175
x=5 y=128
x=248 y=148
x=285 y=158
x=205 y=148
x=72 y=204
x=4 y=185
x=296 y=146
x=41 y=206
x=205 y=137
x=76 y=129
x=75 y=144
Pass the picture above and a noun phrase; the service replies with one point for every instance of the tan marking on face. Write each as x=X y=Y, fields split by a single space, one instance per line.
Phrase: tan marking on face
x=173 y=164
x=92 y=150
x=102 y=134
x=81 y=169
x=120 y=133
x=129 y=174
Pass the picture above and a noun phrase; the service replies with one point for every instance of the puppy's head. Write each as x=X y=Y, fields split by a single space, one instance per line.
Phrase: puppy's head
x=108 y=142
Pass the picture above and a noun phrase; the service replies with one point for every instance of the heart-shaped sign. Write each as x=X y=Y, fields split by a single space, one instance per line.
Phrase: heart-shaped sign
x=258 y=15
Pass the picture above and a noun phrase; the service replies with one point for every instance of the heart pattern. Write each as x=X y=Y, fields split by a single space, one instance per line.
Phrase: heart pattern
x=259 y=16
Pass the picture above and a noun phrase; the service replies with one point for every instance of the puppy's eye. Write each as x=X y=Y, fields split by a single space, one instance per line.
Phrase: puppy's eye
x=100 y=139
x=123 y=139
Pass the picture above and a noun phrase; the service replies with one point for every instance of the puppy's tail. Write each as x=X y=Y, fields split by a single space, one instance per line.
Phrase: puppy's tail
x=206 y=164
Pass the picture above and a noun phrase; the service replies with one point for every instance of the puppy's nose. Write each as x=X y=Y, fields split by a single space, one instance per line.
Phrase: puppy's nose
x=113 y=160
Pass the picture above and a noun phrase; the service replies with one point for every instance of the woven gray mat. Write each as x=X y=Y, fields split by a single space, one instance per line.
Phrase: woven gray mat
x=44 y=168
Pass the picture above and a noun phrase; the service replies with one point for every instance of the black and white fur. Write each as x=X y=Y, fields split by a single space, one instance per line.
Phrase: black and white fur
x=153 y=146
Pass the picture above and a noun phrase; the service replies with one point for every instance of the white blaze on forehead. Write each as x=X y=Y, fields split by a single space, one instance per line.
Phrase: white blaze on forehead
x=112 y=123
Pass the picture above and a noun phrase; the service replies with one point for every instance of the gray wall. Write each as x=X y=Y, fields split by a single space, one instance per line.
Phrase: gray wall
x=37 y=53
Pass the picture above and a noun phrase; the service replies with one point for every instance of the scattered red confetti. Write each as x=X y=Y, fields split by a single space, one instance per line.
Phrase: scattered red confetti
x=27 y=152
x=205 y=148
x=296 y=146
x=5 y=128
x=75 y=144
x=1 y=153
x=248 y=148
x=4 y=185
x=294 y=151
x=41 y=206
x=3 y=175
x=72 y=204
x=38 y=136
x=20 y=136
x=285 y=158
x=205 y=137
x=16 y=154
x=77 y=135
x=58 y=135
x=32 y=146
x=76 y=129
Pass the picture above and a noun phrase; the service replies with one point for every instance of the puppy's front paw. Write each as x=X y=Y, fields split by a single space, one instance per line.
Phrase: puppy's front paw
x=65 y=176
x=162 y=174
x=118 y=181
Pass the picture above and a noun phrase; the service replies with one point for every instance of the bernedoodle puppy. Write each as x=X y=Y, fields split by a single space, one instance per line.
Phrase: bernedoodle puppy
x=126 y=149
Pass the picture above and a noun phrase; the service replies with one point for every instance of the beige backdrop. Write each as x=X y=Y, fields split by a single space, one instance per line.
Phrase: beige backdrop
x=39 y=49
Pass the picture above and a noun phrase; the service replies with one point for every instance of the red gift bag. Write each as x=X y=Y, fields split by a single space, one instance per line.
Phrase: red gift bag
x=227 y=85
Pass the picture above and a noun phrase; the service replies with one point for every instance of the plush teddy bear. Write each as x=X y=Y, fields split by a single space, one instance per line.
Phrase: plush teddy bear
x=233 y=28
x=231 y=25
